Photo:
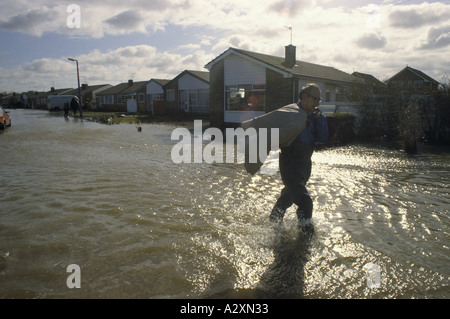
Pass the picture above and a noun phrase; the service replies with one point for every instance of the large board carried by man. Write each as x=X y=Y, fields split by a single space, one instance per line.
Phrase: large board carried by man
x=290 y=120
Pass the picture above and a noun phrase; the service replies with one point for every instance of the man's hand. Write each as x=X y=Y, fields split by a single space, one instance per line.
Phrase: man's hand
x=317 y=113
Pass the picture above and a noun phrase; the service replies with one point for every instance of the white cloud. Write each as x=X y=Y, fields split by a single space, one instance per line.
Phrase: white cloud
x=416 y=16
x=190 y=46
x=130 y=20
x=437 y=38
x=34 y=22
x=141 y=62
x=46 y=66
x=371 y=41
x=290 y=7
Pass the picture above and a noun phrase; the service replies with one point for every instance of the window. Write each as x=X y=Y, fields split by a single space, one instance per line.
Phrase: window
x=339 y=95
x=418 y=84
x=121 y=99
x=194 y=100
x=398 y=84
x=154 y=97
x=170 y=95
x=245 y=97
x=108 y=99
x=141 y=97
x=327 y=95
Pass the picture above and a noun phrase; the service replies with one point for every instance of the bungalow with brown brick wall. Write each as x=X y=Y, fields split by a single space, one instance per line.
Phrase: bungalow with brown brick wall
x=111 y=100
x=136 y=96
x=115 y=98
x=245 y=84
x=188 y=92
x=421 y=89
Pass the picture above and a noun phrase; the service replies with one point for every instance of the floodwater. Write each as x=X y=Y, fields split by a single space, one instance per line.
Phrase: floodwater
x=109 y=199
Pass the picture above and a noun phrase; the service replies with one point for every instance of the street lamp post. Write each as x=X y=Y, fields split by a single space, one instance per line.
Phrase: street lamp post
x=79 y=89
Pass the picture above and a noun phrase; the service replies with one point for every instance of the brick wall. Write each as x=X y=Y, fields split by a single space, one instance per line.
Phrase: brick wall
x=114 y=108
x=278 y=90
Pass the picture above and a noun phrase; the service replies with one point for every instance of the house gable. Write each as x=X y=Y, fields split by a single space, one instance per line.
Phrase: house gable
x=155 y=96
x=257 y=60
x=409 y=77
x=190 y=81
x=239 y=70
x=187 y=92
x=202 y=75
x=156 y=86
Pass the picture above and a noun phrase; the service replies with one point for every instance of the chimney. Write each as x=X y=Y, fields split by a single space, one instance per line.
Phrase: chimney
x=289 y=59
x=84 y=86
x=130 y=82
x=52 y=89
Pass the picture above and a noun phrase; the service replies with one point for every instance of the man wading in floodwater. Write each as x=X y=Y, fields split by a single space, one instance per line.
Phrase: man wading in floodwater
x=295 y=161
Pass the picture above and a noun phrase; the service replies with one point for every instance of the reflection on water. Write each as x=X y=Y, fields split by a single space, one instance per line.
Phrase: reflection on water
x=109 y=199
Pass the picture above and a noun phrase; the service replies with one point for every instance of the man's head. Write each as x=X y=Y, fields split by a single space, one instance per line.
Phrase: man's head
x=310 y=97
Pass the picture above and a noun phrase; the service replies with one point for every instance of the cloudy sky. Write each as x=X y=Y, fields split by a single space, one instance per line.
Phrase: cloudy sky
x=142 y=39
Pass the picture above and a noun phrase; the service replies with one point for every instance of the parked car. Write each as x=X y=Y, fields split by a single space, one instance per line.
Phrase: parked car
x=5 y=119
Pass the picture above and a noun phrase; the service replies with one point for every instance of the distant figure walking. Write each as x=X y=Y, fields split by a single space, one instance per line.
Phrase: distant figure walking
x=74 y=105
x=66 y=110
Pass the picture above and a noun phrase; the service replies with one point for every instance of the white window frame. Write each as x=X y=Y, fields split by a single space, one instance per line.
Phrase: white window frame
x=121 y=99
x=239 y=89
x=108 y=99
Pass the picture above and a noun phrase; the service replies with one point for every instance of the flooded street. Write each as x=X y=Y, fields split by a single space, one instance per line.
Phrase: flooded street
x=109 y=199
